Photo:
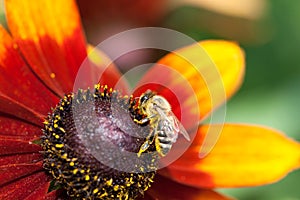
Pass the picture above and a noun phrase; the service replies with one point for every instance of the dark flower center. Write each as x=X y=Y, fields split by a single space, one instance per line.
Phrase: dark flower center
x=90 y=146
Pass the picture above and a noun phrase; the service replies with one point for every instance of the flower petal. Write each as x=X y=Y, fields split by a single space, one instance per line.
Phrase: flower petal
x=26 y=158
x=50 y=37
x=98 y=68
x=13 y=172
x=22 y=188
x=212 y=69
x=57 y=195
x=164 y=188
x=244 y=155
x=13 y=146
x=39 y=193
x=20 y=89
x=16 y=128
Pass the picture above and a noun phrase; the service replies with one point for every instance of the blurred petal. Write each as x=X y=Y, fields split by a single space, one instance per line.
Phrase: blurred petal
x=118 y=15
x=98 y=68
x=17 y=80
x=164 y=188
x=24 y=187
x=50 y=37
x=244 y=155
x=212 y=69
x=249 y=9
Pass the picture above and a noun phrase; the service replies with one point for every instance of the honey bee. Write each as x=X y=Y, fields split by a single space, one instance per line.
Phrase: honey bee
x=164 y=126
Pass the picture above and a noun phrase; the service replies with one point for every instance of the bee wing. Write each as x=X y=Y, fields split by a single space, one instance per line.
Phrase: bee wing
x=177 y=123
x=181 y=127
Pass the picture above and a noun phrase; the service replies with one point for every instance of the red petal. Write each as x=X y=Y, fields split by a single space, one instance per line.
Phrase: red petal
x=12 y=172
x=13 y=108
x=22 y=188
x=50 y=37
x=12 y=146
x=39 y=193
x=57 y=195
x=14 y=127
x=19 y=85
x=164 y=188
x=20 y=159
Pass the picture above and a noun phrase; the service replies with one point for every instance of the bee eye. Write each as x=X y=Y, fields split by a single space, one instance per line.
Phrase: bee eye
x=144 y=99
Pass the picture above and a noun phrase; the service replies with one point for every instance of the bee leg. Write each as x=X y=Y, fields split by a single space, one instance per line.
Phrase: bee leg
x=142 y=121
x=147 y=143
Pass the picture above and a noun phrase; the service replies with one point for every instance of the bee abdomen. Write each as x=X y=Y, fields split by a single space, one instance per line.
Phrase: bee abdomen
x=164 y=148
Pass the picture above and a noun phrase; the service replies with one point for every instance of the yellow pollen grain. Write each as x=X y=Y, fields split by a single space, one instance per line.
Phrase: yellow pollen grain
x=62 y=130
x=52 y=75
x=55 y=125
x=95 y=191
x=75 y=171
x=116 y=187
x=57 y=136
x=87 y=177
x=59 y=145
x=142 y=169
x=95 y=178
x=15 y=46
x=82 y=171
x=64 y=156
x=109 y=182
x=72 y=164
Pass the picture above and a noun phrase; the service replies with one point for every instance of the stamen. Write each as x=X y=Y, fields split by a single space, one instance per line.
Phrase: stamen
x=90 y=146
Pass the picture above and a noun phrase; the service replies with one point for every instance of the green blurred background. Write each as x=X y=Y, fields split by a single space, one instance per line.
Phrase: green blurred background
x=270 y=93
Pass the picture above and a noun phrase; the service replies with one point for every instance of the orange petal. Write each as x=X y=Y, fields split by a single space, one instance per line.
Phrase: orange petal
x=202 y=76
x=244 y=155
x=50 y=37
x=19 y=85
x=164 y=188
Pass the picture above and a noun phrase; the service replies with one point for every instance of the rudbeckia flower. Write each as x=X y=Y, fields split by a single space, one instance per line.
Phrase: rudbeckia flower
x=39 y=61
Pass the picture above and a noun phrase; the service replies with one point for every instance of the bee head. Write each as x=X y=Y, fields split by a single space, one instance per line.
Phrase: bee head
x=146 y=96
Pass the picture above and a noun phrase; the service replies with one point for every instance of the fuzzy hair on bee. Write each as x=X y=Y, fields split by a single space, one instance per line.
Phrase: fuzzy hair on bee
x=164 y=125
